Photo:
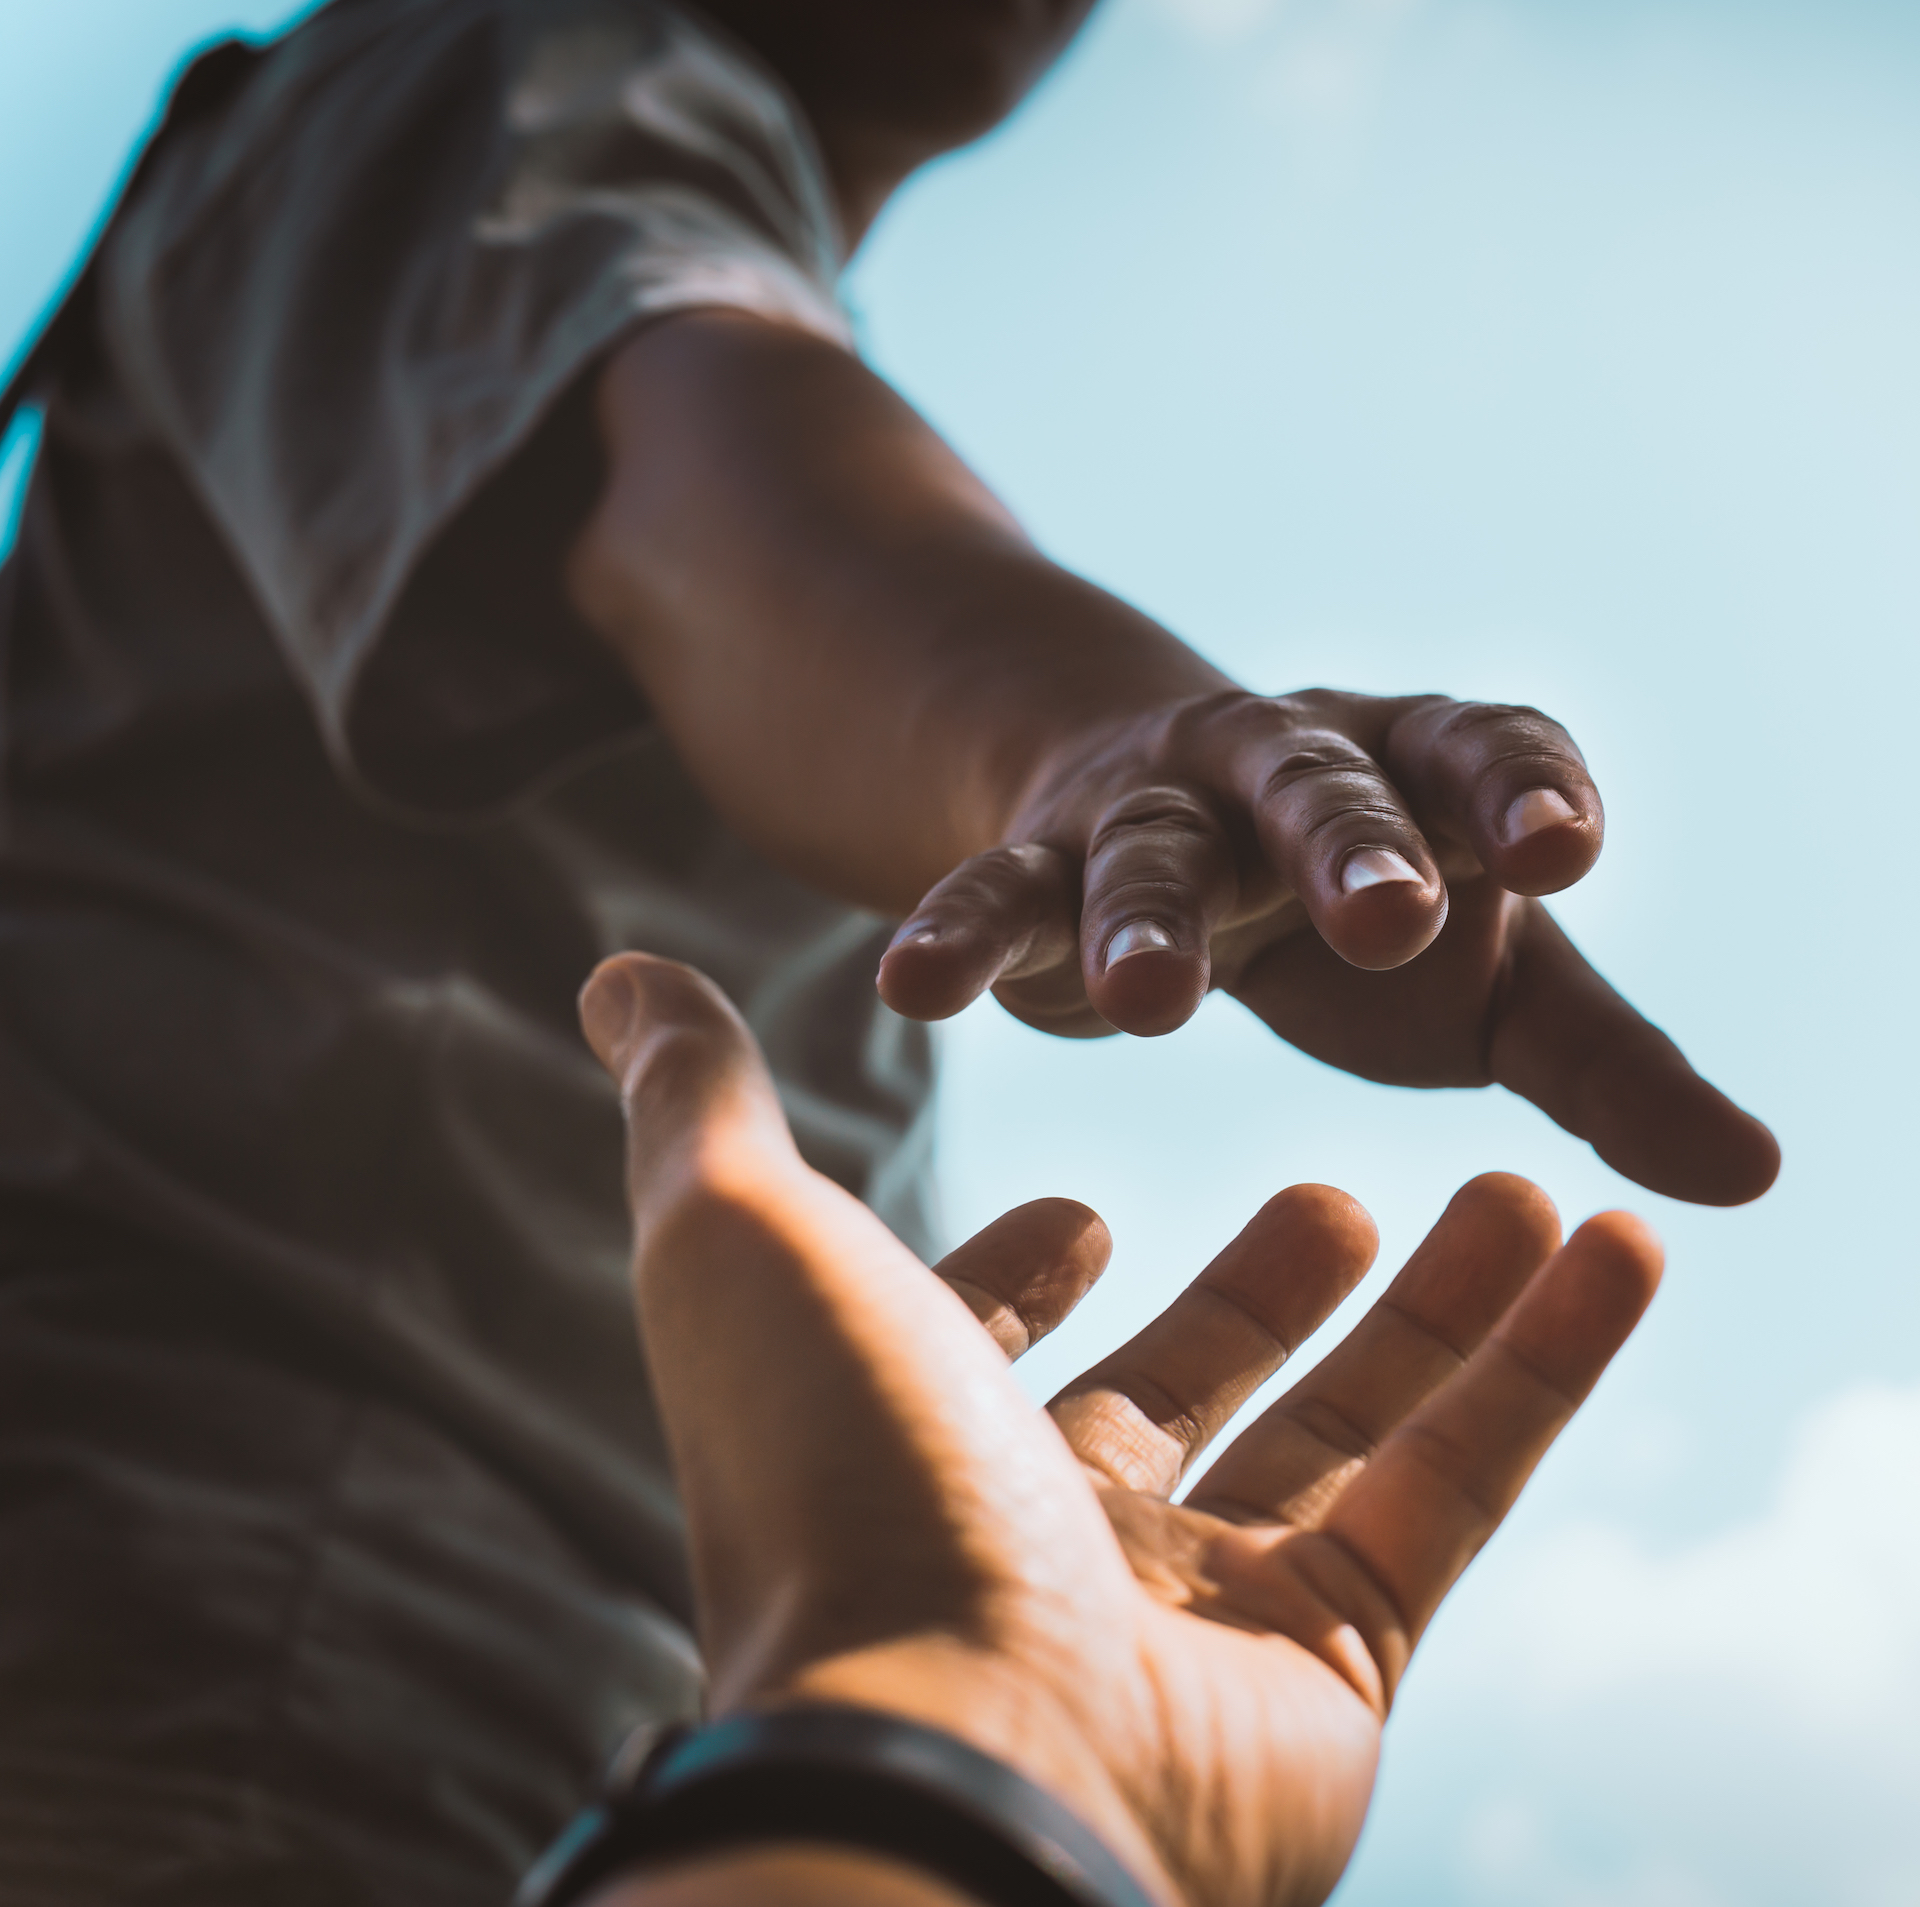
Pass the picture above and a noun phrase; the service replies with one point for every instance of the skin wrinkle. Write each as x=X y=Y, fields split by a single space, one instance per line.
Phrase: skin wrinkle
x=1537 y=751
x=1389 y=820
x=993 y=1311
x=1189 y=1424
x=1312 y=1412
x=1065 y=1247
x=1243 y=1510
x=1358 y=1447
x=1398 y=1628
x=1254 y=1661
x=1471 y=718
x=1398 y=1307
x=1562 y=1397
x=1223 y=1292
x=1449 y=1465
x=1231 y=1510
x=1178 y=810
x=1312 y=756
x=1123 y=1418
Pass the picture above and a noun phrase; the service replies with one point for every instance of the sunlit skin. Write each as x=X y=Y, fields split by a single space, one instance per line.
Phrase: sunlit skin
x=877 y=1515
x=884 y=686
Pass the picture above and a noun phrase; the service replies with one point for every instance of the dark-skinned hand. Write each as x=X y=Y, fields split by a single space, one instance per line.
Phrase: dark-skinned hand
x=1362 y=872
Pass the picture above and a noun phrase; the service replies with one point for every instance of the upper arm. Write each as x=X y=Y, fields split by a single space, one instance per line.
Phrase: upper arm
x=746 y=457
x=357 y=305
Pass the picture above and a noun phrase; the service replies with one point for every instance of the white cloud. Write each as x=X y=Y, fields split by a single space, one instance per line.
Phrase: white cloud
x=1734 y=1722
x=1508 y=1853
x=1817 y=1603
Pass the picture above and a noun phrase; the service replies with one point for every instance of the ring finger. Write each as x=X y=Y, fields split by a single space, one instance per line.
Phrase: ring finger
x=1296 y=1459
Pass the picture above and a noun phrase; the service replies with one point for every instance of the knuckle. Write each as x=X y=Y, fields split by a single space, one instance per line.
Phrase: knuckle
x=1159 y=895
x=1340 y=711
x=1020 y=861
x=1021 y=873
x=1161 y=809
x=1496 y=731
x=1202 y=718
x=1202 y=734
x=1351 y=820
x=1327 y=782
x=1161 y=886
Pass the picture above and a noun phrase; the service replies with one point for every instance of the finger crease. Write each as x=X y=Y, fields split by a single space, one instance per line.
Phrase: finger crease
x=1423 y=1442
x=1396 y=1610
x=1340 y=820
x=1164 y=1411
x=1232 y=1509
x=1552 y=1386
x=1341 y=1434
x=1296 y=769
x=1239 y=1305
x=1414 y=1322
x=997 y=1308
x=1171 y=817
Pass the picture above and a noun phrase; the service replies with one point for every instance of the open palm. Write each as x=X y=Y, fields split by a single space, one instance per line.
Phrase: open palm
x=878 y=1516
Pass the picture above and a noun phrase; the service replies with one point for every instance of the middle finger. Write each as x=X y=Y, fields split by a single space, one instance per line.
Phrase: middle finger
x=1159 y=875
x=1336 y=830
x=1294 y=1461
x=1143 y=1414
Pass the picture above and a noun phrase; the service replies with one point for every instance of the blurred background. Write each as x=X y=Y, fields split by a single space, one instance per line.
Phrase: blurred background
x=1562 y=351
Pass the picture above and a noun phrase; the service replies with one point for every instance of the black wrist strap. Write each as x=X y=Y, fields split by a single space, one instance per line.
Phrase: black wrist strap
x=847 y=1777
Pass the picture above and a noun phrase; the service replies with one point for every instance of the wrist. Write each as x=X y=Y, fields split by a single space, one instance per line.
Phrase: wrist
x=1077 y=686
x=783 y=1876
x=1000 y=1706
x=842 y=1778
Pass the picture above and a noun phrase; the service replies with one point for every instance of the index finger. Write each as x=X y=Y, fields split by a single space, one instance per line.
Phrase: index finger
x=1024 y=1273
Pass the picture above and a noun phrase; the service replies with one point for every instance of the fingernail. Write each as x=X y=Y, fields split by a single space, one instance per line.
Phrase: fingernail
x=1139 y=936
x=1374 y=867
x=609 y=1005
x=912 y=936
x=1536 y=809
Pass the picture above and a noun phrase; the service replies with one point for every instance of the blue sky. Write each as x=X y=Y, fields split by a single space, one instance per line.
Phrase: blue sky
x=1551 y=352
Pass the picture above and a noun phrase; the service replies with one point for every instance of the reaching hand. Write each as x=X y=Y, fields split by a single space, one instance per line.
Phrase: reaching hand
x=1362 y=873
x=877 y=1516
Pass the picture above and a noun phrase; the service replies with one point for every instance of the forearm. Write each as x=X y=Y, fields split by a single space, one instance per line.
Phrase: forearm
x=858 y=655
x=784 y=1877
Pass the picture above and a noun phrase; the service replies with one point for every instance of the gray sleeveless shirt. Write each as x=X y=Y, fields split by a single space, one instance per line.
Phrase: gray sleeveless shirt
x=319 y=803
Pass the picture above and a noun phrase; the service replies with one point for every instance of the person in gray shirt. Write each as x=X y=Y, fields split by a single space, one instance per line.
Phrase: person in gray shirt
x=464 y=544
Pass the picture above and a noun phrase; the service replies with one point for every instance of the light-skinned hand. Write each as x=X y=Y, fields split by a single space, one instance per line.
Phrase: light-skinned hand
x=878 y=1516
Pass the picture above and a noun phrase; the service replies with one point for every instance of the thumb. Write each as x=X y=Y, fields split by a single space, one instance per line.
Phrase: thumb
x=1568 y=1042
x=699 y=1102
